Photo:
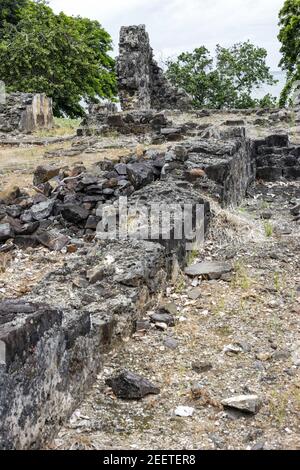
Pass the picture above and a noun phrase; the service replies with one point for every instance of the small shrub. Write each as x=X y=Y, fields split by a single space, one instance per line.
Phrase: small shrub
x=269 y=230
x=241 y=278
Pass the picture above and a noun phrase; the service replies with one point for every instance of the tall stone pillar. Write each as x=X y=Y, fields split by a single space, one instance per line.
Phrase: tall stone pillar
x=133 y=68
x=141 y=82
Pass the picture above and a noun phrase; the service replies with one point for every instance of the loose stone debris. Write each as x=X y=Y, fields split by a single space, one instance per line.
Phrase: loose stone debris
x=184 y=411
x=131 y=386
x=201 y=367
x=209 y=269
x=247 y=403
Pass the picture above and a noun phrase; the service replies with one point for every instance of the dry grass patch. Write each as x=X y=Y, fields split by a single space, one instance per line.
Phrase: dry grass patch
x=18 y=164
x=230 y=226
x=62 y=127
x=5 y=259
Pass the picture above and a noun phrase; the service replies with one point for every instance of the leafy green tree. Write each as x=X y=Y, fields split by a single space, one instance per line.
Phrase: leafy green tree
x=193 y=71
x=242 y=68
x=10 y=11
x=289 y=36
x=227 y=81
x=65 y=57
x=268 y=101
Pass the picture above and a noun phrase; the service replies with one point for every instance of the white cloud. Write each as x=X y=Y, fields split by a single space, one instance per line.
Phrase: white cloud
x=180 y=25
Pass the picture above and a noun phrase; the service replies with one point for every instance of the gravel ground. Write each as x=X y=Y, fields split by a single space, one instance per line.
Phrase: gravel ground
x=21 y=270
x=245 y=326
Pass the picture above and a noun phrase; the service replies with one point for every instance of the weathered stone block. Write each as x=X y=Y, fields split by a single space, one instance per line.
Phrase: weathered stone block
x=26 y=112
x=140 y=174
x=6 y=232
x=44 y=173
x=269 y=173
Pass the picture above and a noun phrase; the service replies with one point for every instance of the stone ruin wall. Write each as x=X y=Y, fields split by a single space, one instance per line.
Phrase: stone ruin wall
x=25 y=112
x=141 y=82
x=53 y=341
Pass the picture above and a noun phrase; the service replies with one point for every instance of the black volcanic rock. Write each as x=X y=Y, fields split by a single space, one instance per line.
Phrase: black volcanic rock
x=131 y=386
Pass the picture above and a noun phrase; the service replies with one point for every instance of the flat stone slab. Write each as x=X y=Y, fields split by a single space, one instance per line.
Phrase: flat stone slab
x=18 y=142
x=246 y=403
x=194 y=294
x=161 y=317
x=210 y=269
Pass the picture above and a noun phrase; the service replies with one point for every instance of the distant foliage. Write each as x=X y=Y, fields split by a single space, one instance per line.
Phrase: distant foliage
x=65 y=57
x=289 y=36
x=227 y=81
x=268 y=101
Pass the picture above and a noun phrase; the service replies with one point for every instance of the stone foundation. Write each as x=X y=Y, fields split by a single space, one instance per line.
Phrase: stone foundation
x=105 y=121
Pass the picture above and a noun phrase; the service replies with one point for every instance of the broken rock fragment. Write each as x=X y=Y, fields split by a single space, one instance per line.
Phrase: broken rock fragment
x=246 y=403
x=98 y=273
x=75 y=214
x=42 y=210
x=295 y=210
x=194 y=294
x=296 y=354
x=232 y=349
x=52 y=239
x=170 y=308
x=140 y=174
x=6 y=232
x=162 y=317
x=130 y=386
x=27 y=229
x=44 y=173
x=202 y=366
x=171 y=343
x=209 y=269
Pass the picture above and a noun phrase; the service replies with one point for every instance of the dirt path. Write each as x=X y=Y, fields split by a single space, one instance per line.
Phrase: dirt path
x=246 y=327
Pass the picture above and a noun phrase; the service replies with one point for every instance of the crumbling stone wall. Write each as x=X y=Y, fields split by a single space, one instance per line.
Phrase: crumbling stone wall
x=25 y=112
x=54 y=340
x=142 y=84
x=104 y=121
x=276 y=158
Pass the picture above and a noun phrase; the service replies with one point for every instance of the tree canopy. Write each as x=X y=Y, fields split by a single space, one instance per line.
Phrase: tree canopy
x=225 y=81
x=65 y=57
x=289 y=36
x=10 y=11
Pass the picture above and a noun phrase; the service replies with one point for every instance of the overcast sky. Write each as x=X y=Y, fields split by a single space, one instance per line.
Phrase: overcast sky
x=182 y=25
